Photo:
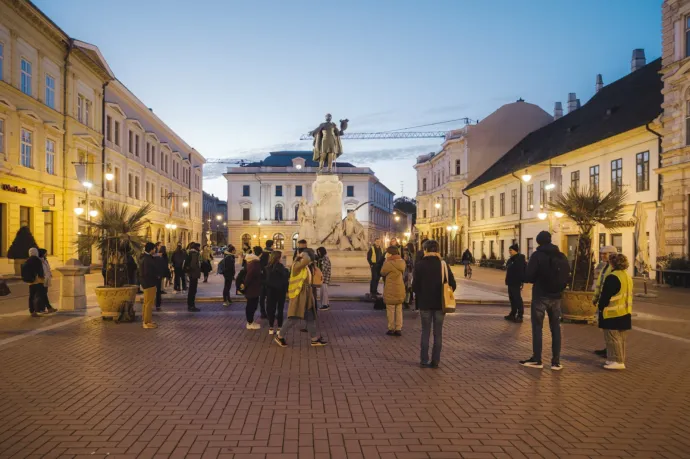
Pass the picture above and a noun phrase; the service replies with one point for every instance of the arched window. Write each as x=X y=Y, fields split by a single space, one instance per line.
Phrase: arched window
x=295 y=238
x=279 y=212
x=246 y=239
x=278 y=241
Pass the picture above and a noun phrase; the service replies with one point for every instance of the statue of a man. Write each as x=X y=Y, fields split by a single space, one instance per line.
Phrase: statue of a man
x=327 y=145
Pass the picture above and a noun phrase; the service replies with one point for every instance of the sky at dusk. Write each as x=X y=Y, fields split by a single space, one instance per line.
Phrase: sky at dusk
x=237 y=79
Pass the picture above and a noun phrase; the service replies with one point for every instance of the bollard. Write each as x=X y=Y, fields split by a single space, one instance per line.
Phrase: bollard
x=72 y=286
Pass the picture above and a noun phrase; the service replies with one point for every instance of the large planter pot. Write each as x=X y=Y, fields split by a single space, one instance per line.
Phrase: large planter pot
x=111 y=298
x=578 y=307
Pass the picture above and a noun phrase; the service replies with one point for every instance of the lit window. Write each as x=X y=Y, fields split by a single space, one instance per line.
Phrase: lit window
x=50 y=91
x=530 y=197
x=26 y=77
x=26 y=148
x=594 y=178
x=50 y=157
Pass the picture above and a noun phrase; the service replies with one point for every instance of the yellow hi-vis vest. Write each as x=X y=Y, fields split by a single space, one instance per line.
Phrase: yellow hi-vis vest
x=621 y=304
x=600 y=281
x=296 y=282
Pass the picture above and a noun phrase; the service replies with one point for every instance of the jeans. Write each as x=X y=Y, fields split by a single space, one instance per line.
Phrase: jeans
x=147 y=307
x=375 y=277
x=615 y=345
x=180 y=280
x=324 y=295
x=262 y=301
x=395 y=316
x=191 y=293
x=275 y=307
x=540 y=308
x=36 y=297
x=226 y=289
x=159 y=289
x=309 y=316
x=517 y=307
x=431 y=318
x=250 y=309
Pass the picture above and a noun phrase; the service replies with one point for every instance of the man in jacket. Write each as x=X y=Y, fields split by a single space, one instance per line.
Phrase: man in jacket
x=192 y=266
x=420 y=253
x=603 y=269
x=228 y=273
x=265 y=256
x=544 y=302
x=427 y=284
x=253 y=283
x=467 y=259
x=375 y=260
x=149 y=281
x=515 y=273
x=35 y=267
x=178 y=258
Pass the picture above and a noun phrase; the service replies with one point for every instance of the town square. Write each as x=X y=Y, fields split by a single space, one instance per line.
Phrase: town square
x=457 y=229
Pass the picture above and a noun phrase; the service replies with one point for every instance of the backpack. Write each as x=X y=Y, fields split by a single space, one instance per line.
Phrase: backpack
x=276 y=277
x=221 y=266
x=28 y=274
x=239 y=281
x=557 y=275
x=379 y=304
x=317 y=277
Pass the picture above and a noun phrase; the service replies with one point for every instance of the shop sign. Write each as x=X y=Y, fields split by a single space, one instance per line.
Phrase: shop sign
x=48 y=201
x=491 y=233
x=13 y=188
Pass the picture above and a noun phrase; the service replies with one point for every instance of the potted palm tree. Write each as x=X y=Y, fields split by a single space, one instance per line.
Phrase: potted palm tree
x=587 y=208
x=118 y=234
x=19 y=250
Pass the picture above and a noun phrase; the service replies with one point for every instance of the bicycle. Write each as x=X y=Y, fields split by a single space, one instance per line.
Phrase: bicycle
x=468 y=271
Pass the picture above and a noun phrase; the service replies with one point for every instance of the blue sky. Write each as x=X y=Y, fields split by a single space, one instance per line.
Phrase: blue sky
x=238 y=79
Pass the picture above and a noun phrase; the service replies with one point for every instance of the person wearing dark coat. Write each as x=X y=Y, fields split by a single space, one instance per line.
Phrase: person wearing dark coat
x=192 y=267
x=277 y=281
x=161 y=258
x=375 y=259
x=427 y=283
x=35 y=265
x=515 y=273
x=252 y=287
x=228 y=263
x=178 y=258
x=149 y=277
x=265 y=255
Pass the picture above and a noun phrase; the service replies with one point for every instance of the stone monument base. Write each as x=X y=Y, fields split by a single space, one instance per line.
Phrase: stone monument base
x=349 y=266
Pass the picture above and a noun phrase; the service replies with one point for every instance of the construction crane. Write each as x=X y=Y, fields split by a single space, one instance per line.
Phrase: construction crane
x=399 y=133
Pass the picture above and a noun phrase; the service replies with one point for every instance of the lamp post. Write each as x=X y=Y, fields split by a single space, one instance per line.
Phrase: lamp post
x=82 y=177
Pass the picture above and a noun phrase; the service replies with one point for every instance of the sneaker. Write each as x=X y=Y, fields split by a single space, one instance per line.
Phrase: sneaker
x=532 y=363
x=397 y=333
x=280 y=341
x=601 y=353
x=225 y=303
x=509 y=317
x=319 y=342
x=325 y=307
x=556 y=366
x=271 y=331
x=425 y=364
x=390 y=332
x=614 y=366
x=150 y=325
x=253 y=326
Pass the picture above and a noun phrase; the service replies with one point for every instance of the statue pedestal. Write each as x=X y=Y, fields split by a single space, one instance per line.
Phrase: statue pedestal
x=327 y=192
x=72 y=286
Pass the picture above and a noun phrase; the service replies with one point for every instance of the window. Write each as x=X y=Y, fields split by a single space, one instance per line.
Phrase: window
x=148 y=194
x=2 y=136
x=2 y=59
x=279 y=191
x=491 y=250
x=474 y=211
x=594 y=178
x=131 y=141
x=136 y=145
x=424 y=213
x=491 y=207
x=457 y=167
x=278 y=213
x=27 y=148
x=117 y=133
x=474 y=247
x=617 y=242
x=481 y=208
x=423 y=184
x=298 y=190
x=48 y=232
x=24 y=217
x=162 y=158
x=80 y=108
x=575 y=180
x=542 y=194
x=245 y=190
x=26 y=77
x=87 y=112
x=108 y=128
x=278 y=241
x=602 y=240
x=513 y=202
x=642 y=171
x=148 y=152
x=50 y=157
x=50 y=91
x=687 y=36
x=245 y=214
x=502 y=205
x=350 y=191
x=617 y=175
x=130 y=186
x=117 y=180
x=153 y=155
x=530 y=197
x=530 y=247
x=502 y=245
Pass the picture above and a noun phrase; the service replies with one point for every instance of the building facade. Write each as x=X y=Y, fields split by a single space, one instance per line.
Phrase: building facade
x=215 y=215
x=465 y=154
x=612 y=142
x=264 y=198
x=675 y=157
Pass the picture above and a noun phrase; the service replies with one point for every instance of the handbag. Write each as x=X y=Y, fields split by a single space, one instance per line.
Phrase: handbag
x=4 y=289
x=448 y=293
x=317 y=278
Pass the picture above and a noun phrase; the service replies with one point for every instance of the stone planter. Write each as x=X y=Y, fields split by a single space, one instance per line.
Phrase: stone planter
x=111 y=298
x=578 y=307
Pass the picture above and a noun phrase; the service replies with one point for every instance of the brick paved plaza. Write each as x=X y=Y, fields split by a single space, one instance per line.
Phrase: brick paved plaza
x=203 y=386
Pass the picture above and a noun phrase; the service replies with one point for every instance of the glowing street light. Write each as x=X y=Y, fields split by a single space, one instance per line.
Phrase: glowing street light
x=558 y=214
x=455 y=227
x=542 y=215
x=185 y=204
x=79 y=210
x=219 y=217
x=93 y=213
x=109 y=176
x=526 y=177
x=397 y=218
x=449 y=228
x=173 y=226
x=437 y=205
x=87 y=185
x=550 y=186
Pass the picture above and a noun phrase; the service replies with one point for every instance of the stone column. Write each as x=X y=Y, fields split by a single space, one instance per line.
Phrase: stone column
x=72 y=286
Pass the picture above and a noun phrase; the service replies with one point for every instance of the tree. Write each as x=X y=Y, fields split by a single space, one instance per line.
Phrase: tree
x=588 y=208
x=406 y=205
x=23 y=241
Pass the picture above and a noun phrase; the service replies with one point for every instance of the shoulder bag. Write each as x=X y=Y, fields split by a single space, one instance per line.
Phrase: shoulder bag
x=448 y=294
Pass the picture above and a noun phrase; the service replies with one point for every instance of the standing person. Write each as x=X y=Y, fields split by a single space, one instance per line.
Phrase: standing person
x=302 y=303
x=252 y=287
x=192 y=267
x=393 y=289
x=32 y=273
x=515 y=273
x=467 y=259
x=301 y=247
x=615 y=311
x=178 y=259
x=228 y=273
x=246 y=250
x=324 y=264
x=278 y=279
x=206 y=261
x=602 y=270
x=427 y=284
x=548 y=271
x=409 y=258
x=47 y=281
x=375 y=259
x=420 y=253
x=149 y=281
x=265 y=255
x=161 y=259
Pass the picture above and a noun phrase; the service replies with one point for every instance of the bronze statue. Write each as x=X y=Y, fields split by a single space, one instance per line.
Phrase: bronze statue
x=327 y=145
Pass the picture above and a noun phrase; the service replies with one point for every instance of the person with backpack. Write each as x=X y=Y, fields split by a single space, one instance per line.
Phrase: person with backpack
x=393 y=289
x=324 y=264
x=251 y=286
x=277 y=280
x=615 y=311
x=515 y=273
x=32 y=274
x=226 y=267
x=48 y=277
x=178 y=258
x=548 y=270
x=150 y=279
x=192 y=267
x=264 y=258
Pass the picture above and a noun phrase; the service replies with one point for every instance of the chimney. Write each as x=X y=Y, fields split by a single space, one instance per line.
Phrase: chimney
x=638 y=60
x=557 y=110
x=599 y=84
x=573 y=102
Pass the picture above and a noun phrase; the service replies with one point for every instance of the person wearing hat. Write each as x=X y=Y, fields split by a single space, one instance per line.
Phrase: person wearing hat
x=602 y=270
x=149 y=281
x=515 y=273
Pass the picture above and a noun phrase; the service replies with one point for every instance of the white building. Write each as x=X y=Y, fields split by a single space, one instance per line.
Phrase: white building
x=263 y=198
x=611 y=141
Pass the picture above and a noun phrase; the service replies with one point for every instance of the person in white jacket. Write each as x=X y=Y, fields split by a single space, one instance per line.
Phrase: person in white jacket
x=48 y=276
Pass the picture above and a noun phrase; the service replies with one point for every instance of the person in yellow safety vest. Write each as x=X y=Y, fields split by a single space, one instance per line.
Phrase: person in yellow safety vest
x=615 y=311
x=602 y=270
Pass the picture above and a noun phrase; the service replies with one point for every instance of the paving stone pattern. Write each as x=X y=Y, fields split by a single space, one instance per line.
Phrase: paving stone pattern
x=203 y=386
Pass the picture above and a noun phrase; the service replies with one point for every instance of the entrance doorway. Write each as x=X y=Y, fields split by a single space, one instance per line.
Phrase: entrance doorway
x=572 y=246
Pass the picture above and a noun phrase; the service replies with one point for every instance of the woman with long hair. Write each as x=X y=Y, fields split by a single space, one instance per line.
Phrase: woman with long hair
x=615 y=311
x=277 y=280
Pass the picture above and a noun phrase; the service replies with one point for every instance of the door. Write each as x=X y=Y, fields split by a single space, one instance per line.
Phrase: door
x=572 y=246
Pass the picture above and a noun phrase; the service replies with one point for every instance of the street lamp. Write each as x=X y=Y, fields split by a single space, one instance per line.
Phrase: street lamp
x=78 y=210
x=437 y=205
x=397 y=218
x=526 y=177
x=93 y=213
x=219 y=217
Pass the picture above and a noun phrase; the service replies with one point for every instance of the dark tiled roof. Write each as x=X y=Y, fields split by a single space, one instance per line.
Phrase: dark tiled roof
x=623 y=105
x=284 y=159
